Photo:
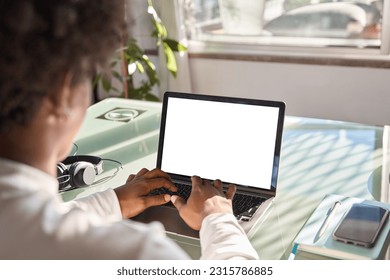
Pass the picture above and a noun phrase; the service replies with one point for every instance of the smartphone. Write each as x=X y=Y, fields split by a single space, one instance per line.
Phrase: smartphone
x=361 y=225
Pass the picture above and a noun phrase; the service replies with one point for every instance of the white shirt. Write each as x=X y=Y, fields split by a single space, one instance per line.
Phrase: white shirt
x=36 y=224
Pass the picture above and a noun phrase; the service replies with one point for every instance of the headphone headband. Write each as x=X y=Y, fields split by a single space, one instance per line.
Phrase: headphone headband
x=96 y=161
x=80 y=171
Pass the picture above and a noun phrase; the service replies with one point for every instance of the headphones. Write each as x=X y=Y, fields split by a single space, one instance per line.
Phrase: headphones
x=81 y=172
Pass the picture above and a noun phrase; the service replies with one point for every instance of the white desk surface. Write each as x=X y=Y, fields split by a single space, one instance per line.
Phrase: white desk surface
x=318 y=157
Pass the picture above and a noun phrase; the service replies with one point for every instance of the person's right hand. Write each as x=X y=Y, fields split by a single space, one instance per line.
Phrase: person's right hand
x=205 y=199
x=134 y=196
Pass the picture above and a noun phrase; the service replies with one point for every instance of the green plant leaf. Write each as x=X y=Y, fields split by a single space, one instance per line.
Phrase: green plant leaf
x=106 y=84
x=140 y=67
x=117 y=75
x=152 y=76
x=171 y=59
x=133 y=52
x=148 y=62
x=160 y=30
x=113 y=63
x=150 y=70
x=175 y=45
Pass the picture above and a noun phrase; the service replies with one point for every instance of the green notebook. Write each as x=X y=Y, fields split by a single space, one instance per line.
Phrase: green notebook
x=310 y=245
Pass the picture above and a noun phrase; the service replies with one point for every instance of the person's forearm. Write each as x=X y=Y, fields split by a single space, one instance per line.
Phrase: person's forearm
x=105 y=204
x=221 y=237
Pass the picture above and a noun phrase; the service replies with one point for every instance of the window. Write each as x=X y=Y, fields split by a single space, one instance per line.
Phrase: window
x=344 y=26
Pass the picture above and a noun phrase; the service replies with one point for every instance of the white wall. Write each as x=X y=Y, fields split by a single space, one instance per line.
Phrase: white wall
x=332 y=92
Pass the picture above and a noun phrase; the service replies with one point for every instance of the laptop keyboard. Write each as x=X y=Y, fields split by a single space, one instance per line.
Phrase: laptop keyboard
x=244 y=206
x=183 y=190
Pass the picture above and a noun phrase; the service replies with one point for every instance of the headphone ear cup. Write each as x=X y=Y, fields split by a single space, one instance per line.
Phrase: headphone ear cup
x=62 y=176
x=82 y=174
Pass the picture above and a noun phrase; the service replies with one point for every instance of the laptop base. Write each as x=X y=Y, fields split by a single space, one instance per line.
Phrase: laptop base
x=169 y=217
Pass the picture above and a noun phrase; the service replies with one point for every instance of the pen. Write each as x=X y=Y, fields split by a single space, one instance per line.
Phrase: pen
x=293 y=252
x=328 y=220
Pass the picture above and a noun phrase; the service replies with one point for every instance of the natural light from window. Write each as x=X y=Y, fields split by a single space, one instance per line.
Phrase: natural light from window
x=305 y=23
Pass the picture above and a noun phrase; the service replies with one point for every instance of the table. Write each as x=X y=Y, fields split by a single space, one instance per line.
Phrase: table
x=318 y=157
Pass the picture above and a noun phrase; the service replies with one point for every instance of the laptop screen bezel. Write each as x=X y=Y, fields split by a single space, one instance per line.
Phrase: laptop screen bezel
x=278 y=139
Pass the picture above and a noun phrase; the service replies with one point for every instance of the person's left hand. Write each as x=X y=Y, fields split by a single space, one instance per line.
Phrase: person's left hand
x=205 y=199
x=134 y=196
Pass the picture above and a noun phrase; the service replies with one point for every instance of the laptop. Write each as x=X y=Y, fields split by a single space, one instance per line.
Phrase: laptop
x=236 y=140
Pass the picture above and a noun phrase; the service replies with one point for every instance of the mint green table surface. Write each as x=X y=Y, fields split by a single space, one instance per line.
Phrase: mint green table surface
x=319 y=157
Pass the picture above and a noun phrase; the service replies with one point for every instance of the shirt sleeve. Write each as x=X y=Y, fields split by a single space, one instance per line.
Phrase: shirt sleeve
x=221 y=237
x=104 y=204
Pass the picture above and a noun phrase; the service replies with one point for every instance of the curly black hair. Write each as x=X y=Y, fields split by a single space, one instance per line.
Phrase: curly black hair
x=41 y=41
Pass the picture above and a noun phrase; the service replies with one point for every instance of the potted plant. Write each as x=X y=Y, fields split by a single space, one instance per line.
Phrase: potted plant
x=132 y=59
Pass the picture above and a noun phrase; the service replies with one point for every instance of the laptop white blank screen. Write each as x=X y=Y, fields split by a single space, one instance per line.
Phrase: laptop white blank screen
x=218 y=140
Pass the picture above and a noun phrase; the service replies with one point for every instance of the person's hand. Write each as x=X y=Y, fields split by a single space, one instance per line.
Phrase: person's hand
x=133 y=196
x=205 y=199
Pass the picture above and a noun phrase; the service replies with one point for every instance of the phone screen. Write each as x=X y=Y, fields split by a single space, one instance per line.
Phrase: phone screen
x=362 y=225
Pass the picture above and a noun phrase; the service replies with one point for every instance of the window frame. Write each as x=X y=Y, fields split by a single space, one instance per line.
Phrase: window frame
x=271 y=52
